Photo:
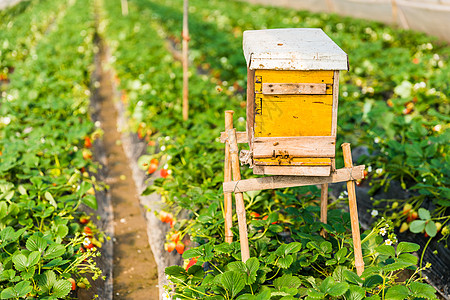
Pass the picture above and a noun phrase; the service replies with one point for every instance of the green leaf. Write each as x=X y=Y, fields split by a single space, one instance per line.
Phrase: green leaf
x=287 y=280
x=417 y=226
x=355 y=293
x=50 y=199
x=3 y=209
x=9 y=293
x=28 y=273
x=237 y=266
x=313 y=294
x=90 y=201
x=352 y=277
x=275 y=228
x=338 y=289
x=33 y=258
x=22 y=190
x=292 y=248
x=374 y=297
x=46 y=281
x=56 y=262
x=20 y=290
x=372 y=281
x=252 y=266
x=62 y=230
x=223 y=248
x=331 y=262
x=326 y=247
x=285 y=262
x=340 y=255
x=264 y=295
x=36 y=243
x=338 y=273
x=398 y=292
x=232 y=281
x=408 y=258
x=386 y=250
x=430 y=228
x=422 y=290
x=54 y=250
x=61 y=288
x=177 y=272
x=327 y=284
x=20 y=261
x=424 y=214
x=191 y=253
x=398 y=265
x=407 y=247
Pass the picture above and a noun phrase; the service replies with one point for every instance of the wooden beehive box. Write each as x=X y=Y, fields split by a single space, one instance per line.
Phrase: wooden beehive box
x=292 y=100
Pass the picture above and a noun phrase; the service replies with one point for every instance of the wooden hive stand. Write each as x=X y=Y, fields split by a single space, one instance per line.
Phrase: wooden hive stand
x=292 y=104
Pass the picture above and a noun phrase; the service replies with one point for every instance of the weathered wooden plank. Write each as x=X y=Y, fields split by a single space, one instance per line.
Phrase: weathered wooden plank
x=334 y=111
x=294 y=88
x=298 y=146
x=359 y=262
x=228 y=201
x=292 y=170
x=240 y=206
x=250 y=105
x=277 y=182
x=241 y=137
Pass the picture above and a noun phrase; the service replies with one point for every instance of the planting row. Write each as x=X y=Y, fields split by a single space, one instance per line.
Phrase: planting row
x=47 y=244
x=22 y=27
x=289 y=259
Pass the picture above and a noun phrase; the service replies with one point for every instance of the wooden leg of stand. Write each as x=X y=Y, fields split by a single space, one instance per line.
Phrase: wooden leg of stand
x=228 y=202
x=323 y=207
x=359 y=263
x=240 y=206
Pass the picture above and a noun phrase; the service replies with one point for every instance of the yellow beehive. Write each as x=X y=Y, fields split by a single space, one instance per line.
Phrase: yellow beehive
x=292 y=99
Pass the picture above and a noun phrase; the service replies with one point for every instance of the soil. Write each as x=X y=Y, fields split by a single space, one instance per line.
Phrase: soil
x=135 y=273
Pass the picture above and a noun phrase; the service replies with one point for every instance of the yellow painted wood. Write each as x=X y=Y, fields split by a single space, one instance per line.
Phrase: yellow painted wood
x=295 y=161
x=296 y=76
x=293 y=115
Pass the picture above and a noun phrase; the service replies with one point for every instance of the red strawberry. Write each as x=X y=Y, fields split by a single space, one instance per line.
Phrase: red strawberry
x=180 y=247
x=152 y=168
x=74 y=284
x=192 y=262
x=171 y=246
x=87 y=142
x=84 y=220
x=175 y=237
x=164 y=173
x=87 y=231
x=163 y=216
x=254 y=214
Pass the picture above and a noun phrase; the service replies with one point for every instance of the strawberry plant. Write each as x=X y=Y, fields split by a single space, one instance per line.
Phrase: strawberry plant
x=283 y=228
x=43 y=178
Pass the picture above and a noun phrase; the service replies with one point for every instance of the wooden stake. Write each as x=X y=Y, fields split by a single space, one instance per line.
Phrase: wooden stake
x=240 y=206
x=228 y=203
x=185 y=35
x=323 y=207
x=282 y=181
x=124 y=7
x=359 y=263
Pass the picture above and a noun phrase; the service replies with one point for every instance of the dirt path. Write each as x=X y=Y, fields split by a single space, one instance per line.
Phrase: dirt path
x=135 y=273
